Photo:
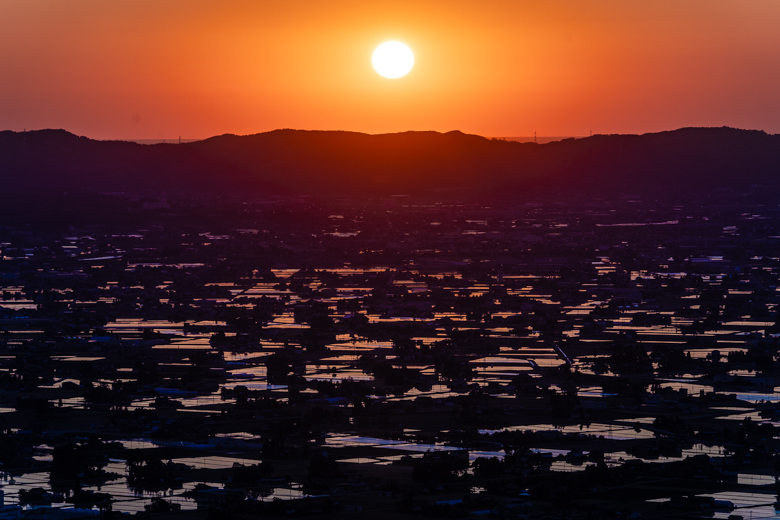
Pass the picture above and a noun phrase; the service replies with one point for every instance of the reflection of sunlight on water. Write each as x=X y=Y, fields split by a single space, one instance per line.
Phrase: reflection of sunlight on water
x=518 y=350
x=616 y=458
x=251 y=385
x=18 y=305
x=215 y=462
x=125 y=500
x=608 y=431
x=503 y=360
x=13 y=485
x=757 y=505
x=692 y=388
x=362 y=460
x=567 y=467
x=416 y=449
x=186 y=402
x=292 y=491
x=361 y=345
x=338 y=375
x=752 y=479
x=754 y=397
x=704 y=353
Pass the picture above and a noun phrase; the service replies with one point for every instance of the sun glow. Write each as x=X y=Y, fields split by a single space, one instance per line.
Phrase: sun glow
x=393 y=60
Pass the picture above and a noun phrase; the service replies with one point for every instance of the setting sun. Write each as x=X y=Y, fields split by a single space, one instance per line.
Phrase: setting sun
x=393 y=60
x=147 y=69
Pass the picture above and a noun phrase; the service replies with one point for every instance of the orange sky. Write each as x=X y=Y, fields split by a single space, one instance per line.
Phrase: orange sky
x=127 y=69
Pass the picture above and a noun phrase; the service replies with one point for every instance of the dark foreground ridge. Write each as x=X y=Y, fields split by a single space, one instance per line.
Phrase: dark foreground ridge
x=297 y=162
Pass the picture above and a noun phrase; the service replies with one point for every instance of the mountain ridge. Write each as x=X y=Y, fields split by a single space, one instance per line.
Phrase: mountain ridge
x=312 y=162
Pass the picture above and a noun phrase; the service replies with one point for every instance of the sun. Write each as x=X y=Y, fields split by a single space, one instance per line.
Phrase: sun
x=393 y=60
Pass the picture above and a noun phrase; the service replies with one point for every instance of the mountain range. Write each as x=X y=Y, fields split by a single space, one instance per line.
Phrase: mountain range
x=300 y=162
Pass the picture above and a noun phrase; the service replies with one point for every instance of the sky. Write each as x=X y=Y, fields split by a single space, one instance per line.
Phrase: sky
x=147 y=69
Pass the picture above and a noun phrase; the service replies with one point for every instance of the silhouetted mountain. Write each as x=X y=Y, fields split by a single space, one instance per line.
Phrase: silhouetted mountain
x=335 y=162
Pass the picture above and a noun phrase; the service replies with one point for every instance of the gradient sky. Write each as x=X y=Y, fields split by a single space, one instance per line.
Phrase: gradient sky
x=133 y=69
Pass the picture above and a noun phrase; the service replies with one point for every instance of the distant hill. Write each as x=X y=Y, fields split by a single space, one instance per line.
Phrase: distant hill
x=350 y=163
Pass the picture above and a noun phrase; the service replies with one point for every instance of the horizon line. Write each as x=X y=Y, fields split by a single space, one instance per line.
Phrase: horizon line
x=540 y=139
